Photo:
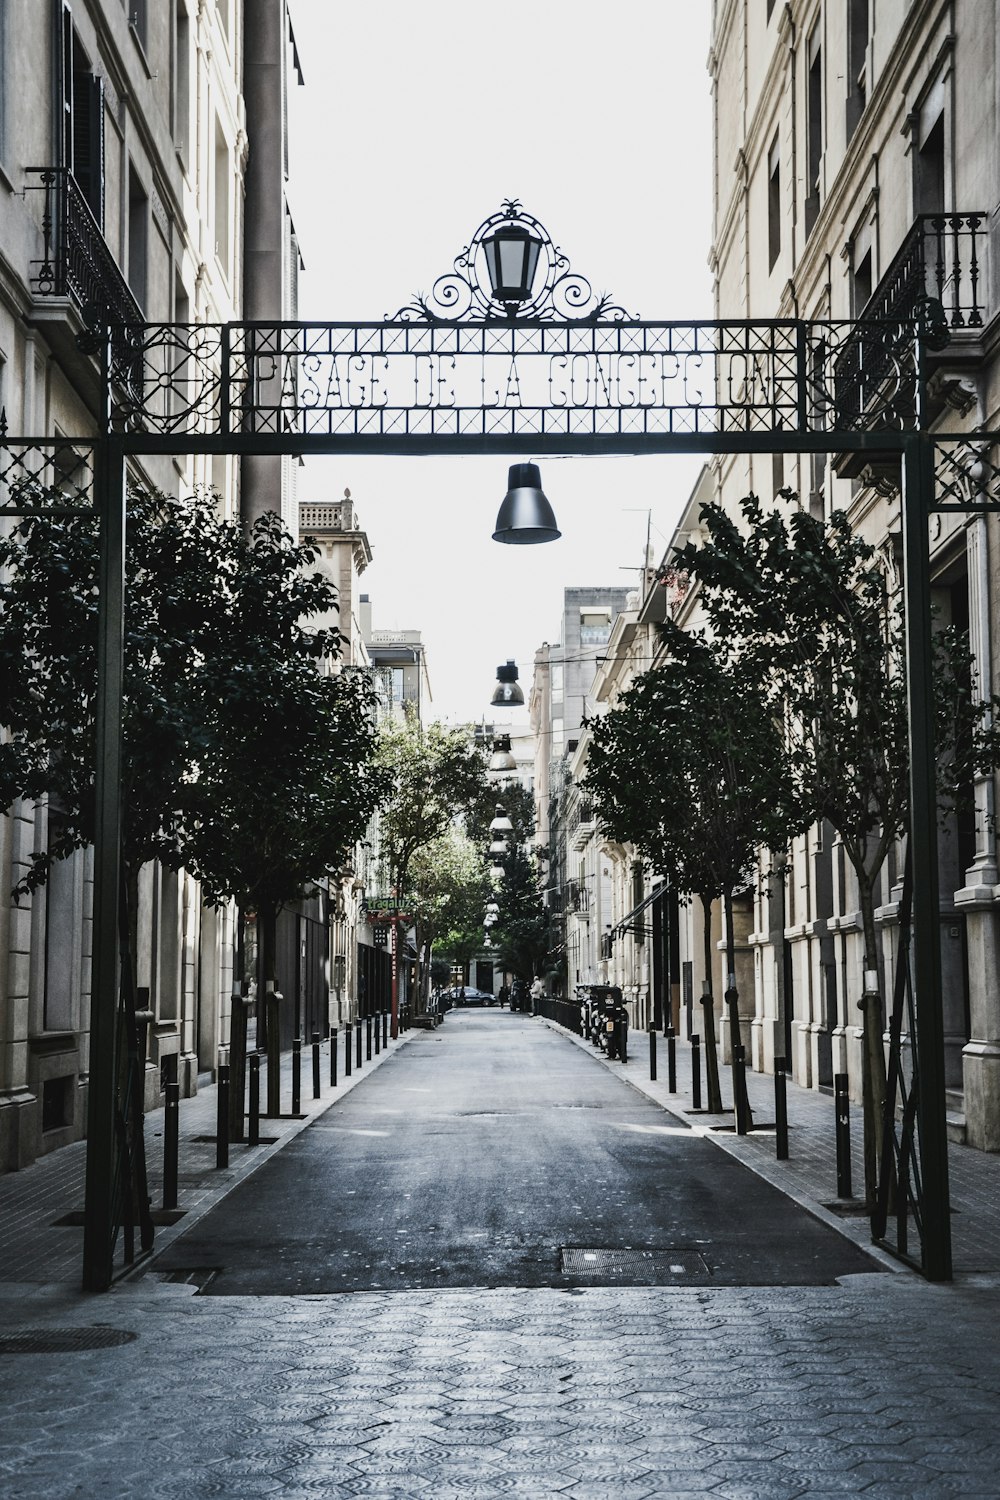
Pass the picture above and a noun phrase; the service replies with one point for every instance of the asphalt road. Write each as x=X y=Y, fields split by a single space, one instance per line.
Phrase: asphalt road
x=476 y=1157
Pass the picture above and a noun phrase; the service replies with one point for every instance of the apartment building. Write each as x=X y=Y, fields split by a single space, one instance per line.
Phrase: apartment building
x=124 y=147
x=857 y=171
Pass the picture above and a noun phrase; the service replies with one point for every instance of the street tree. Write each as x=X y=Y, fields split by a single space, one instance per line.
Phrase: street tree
x=449 y=891
x=435 y=776
x=714 y=784
x=520 y=935
x=814 y=614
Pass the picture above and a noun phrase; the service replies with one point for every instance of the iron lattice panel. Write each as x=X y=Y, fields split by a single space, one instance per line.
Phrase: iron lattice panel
x=513 y=380
x=967 y=472
x=46 y=476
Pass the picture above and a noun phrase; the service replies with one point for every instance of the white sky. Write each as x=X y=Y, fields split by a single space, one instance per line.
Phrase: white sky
x=417 y=119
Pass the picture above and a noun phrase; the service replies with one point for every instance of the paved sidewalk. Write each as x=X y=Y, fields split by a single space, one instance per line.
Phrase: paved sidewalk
x=36 y=1249
x=810 y=1173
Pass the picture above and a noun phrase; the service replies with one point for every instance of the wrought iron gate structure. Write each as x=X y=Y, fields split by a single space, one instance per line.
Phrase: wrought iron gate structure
x=558 y=372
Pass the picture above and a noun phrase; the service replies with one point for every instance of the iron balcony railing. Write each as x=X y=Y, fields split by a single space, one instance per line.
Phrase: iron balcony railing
x=941 y=261
x=77 y=262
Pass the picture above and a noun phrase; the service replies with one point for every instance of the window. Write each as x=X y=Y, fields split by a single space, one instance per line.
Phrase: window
x=138 y=236
x=595 y=627
x=777 y=471
x=861 y=284
x=221 y=198
x=929 y=170
x=814 y=127
x=82 y=109
x=773 y=205
x=857 y=53
x=137 y=19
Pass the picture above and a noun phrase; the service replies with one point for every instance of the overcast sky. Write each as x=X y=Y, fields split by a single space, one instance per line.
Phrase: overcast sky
x=418 y=117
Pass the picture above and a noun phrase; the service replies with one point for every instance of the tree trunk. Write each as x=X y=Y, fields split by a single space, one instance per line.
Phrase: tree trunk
x=267 y=918
x=237 y=1034
x=733 y=1006
x=872 y=1049
x=708 y=1011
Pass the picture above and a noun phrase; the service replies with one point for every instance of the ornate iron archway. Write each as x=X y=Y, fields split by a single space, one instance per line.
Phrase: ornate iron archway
x=558 y=370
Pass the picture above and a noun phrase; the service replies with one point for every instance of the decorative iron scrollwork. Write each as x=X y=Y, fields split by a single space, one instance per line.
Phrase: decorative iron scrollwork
x=464 y=294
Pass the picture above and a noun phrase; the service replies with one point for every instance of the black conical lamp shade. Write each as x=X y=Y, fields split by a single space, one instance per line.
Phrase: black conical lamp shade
x=525 y=515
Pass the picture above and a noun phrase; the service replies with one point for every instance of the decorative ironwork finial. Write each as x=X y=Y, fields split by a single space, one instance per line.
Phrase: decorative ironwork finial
x=3 y=424
x=481 y=287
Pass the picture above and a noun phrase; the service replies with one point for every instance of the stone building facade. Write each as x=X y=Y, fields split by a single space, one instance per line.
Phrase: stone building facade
x=124 y=142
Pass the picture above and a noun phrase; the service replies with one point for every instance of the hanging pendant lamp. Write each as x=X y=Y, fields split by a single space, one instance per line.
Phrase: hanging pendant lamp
x=508 y=692
x=525 y=515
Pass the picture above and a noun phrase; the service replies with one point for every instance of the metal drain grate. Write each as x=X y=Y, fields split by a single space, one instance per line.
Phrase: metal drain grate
x=650 y=1266
x=199 y=1276
x=64 y=1340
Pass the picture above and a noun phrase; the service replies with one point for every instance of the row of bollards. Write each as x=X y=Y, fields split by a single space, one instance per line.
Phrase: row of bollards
x=841 y=1100
x=365 y=1037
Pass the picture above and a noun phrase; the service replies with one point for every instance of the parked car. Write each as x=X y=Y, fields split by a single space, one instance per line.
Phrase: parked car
x=469 y=995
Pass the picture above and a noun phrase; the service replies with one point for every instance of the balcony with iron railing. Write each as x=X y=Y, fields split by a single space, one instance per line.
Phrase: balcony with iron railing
x=939 y=273
x=77 y=265
x=580 y=824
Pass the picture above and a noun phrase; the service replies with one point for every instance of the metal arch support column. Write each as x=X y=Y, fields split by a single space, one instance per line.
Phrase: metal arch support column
x=918 y=496
x=99 y=1210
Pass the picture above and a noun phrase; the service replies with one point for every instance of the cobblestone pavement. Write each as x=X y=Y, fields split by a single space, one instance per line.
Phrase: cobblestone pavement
x=882 y=1387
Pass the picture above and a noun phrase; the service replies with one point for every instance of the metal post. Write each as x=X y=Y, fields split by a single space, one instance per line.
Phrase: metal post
x=740 y=1090
x=171 y=1143
x=385 y=1028
x=780 y=1110
x=842 y=1111
x=671 y=1060
x=222 y=1118
x=347 y=1049
x=272 y=1007
x=333 y=1057
x=378 y=1033
x=368 y=1039
x=357 y=1033
x=99 y=1227
x=315 y=1053
x=296 y=1075
x=918 y=496
x=696 y=1071
x=652 y=1054
x=253 y=1136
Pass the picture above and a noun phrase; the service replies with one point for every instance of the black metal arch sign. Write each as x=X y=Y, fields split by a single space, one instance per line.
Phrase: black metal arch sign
x=557 y=367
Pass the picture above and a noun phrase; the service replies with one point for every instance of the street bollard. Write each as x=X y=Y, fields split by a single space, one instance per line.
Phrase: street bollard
x=347 y=1049
x=671 y=1060
x=171 y=1143
x=357 y=1030
x=222 y=1118
x=696 y=1072
x=378 y=1033
x=368 y=1039
x=740 y=1090
x=842 y=1109
x=333 y=1057
x=385 y=1028
x=652 y=1054
x=780 y=1111
x=296 y=1075
x=254 y=1132
x=315 y=1052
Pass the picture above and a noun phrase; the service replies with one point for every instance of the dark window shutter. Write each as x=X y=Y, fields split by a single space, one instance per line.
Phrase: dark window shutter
x=88 y=141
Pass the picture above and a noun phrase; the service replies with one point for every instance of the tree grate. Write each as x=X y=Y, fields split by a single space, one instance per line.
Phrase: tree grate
x=64 y=1340
x=655 y=1267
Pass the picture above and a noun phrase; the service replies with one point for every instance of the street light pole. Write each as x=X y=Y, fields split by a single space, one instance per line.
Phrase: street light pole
x=99 y=1225
x=918 y=495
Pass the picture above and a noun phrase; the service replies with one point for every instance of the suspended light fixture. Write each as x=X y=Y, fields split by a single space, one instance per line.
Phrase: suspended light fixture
x=525 y=515
x=501 y=759
x=501 y=823
x=507 y=693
